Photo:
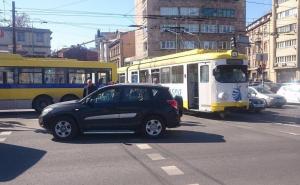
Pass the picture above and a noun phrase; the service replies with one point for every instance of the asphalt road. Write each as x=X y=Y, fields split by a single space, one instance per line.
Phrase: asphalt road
x=244 y=149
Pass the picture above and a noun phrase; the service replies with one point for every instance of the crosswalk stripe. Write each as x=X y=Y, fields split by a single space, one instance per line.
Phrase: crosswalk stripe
x=5 y=133
x=2 y=139
x=143 y=146
x=172 y=170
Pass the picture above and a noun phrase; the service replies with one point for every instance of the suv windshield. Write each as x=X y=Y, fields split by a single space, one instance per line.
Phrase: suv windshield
x=231 y=73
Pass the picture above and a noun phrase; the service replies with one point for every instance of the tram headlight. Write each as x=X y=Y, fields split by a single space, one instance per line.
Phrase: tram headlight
x=223 y=96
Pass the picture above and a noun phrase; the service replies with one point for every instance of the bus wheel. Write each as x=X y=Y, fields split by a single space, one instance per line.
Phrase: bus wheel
x=41 y=102
x=69 y=97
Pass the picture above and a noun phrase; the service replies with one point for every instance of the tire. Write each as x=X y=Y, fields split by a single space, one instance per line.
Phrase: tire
x=153 y=127
x=64 y=128
x=69 y=98
x=41 y=102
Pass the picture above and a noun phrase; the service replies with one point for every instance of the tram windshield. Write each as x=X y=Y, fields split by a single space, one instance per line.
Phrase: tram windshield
x=231 y=73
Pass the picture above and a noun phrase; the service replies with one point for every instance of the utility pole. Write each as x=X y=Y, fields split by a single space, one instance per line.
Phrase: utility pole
x=14 y=28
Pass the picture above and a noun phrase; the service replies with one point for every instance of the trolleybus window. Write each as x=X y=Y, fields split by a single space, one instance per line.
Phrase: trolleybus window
x=204 y=74
x=30 y=76
x=54 y=76
x=231 y=73
x=155 y=76
x=165 y=75
x=6 y=75
x=177 y=74
x=76 y=76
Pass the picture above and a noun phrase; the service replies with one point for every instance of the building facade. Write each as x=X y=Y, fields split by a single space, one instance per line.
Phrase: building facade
x=30 y=41
x=165 y=27
x=259 y=51
x=122 y=47
x=285 y=21
x=102 y=41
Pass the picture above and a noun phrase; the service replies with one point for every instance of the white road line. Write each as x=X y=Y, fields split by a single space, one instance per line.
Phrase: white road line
x=155 y=157
x=290 y=125
x=172 y=170
x=5 y=133
x=2 y=139
x=193 y=184
x=144 y=146
x=291 y=133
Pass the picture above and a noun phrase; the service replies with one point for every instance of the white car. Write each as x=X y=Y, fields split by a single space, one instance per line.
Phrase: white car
x=290 y=92
x=271 y=99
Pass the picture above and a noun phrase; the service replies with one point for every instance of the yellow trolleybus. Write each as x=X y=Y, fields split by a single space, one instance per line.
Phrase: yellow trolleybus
x=207 y=81
x=37 y=82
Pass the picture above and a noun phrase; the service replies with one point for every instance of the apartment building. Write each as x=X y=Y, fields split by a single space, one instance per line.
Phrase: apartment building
x=30 y=41
x=122 y=47
x=165 y=26
x=259 y=51
x=285 y=22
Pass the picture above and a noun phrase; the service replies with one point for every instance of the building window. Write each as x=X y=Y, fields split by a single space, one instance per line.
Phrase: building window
x=188 y=45
x=21 y=36
x=169 y=11
x=287 y=43
x=226 y=29
x=169 y=44
x=209 y=28
x=208 y=44
x=287 y=28
x=214 y=12
x=39 y=37
x=187 y=11
x=166 y=27
x=287 y=13
x=286 y=59
x=193 y=28
x=145 y=46
x=223 y=45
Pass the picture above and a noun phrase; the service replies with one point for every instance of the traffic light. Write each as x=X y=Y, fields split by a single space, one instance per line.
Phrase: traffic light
x=233 y=42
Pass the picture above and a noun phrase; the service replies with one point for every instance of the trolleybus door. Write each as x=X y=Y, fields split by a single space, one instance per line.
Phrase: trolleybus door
x=204 y=87
x=192 y=86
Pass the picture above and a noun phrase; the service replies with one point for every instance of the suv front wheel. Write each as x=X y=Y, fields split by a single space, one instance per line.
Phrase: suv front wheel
x=153 y=127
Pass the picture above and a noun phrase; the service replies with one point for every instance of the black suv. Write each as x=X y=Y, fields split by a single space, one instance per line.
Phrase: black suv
x=119 y=108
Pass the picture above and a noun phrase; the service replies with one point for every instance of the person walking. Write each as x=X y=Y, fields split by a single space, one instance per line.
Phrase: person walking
x=89 y=88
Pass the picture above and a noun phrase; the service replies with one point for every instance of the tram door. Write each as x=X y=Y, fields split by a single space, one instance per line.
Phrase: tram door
x=192 y=83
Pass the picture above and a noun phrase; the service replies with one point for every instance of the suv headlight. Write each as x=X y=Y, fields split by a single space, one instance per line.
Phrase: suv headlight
x=46 y=111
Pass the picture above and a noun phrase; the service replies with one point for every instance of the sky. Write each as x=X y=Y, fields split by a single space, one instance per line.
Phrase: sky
x=76 y=21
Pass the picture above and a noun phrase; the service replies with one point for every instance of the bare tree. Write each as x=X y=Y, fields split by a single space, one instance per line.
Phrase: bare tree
x=22 y=20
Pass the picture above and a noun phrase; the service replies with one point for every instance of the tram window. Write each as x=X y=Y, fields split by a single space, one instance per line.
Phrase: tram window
x=231 y=73
x=165 y=75
x=30 y=76
x=76 y=76
x=204 y=74
x=134 y=77
x=54 y=76
x=177 y=74
x=144 y=76
x=155 y=76
x=122 y=78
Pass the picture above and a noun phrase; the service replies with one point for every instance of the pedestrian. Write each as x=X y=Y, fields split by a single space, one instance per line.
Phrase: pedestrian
x=89 y=88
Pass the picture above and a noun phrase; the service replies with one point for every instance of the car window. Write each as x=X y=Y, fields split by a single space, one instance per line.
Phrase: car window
x=107 y=96
x=135 y=94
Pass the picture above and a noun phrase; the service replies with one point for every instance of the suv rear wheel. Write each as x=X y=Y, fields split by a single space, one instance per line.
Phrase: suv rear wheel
x=64 y=128
x=153 y=127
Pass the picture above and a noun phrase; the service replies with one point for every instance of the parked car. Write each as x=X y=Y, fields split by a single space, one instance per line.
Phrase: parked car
x=256 y=104
x=290 y=92
x=271 y=99
x=148 y=109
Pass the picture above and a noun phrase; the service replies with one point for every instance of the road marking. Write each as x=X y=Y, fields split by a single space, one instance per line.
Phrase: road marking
x=155 y=157
x=5 y=133
x=2 y=139
x=290 y=125
x=144 y=146
x=193 y=184
x=291 y=133
x=172 y=170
